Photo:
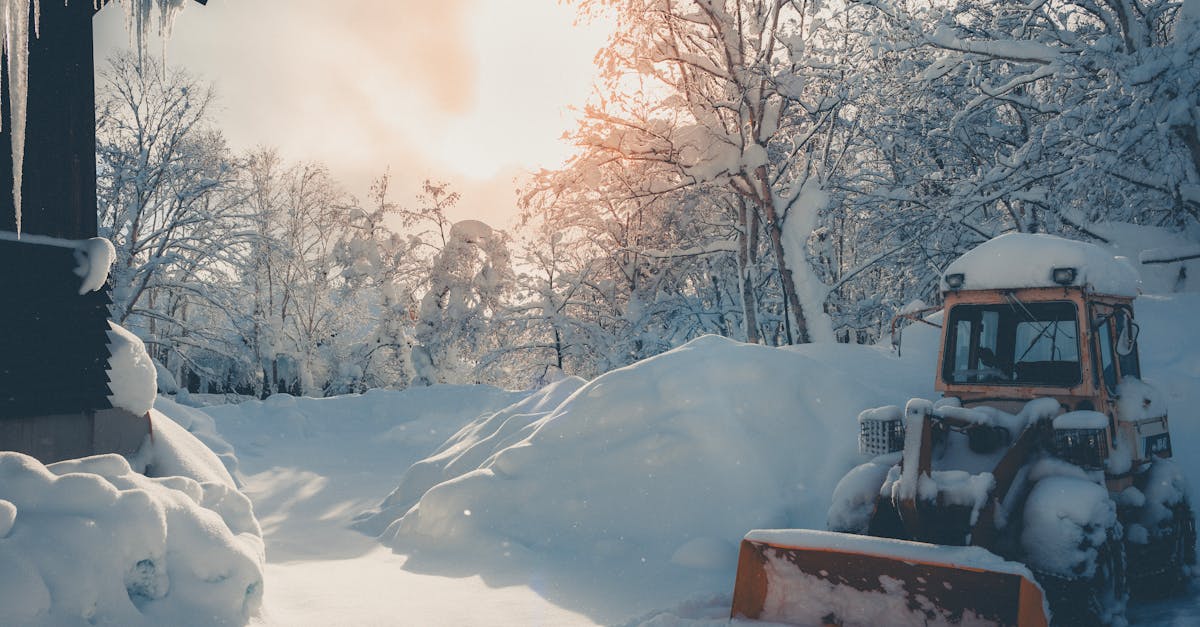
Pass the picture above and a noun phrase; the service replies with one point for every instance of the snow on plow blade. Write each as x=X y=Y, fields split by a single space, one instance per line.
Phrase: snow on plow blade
x=807 y=577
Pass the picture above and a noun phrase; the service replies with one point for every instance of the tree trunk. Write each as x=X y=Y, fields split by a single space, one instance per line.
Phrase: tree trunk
x=747 y=237
x=787 y=283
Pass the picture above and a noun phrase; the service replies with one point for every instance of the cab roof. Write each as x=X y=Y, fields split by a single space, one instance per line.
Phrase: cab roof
x=1021 y=260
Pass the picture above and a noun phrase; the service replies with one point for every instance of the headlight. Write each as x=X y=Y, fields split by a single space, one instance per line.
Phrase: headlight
x=1063 y=276
x=1083 y=447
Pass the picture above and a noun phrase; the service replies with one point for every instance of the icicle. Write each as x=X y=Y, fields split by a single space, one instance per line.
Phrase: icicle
x=137 y=21
x=15 y=15
x=16 y=49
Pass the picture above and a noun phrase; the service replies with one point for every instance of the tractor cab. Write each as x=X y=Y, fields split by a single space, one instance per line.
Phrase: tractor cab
x=1057 y=324
x=1014 y=345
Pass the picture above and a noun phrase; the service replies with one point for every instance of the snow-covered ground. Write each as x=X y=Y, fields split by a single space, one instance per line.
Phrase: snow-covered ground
x=311 y=465
x=615 y=501
x=582 y=503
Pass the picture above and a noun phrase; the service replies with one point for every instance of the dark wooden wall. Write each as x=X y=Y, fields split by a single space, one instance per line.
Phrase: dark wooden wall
x=59 y=187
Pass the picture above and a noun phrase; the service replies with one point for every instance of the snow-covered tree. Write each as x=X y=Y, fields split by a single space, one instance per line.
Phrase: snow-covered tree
x=726 y=94
x=168 y=202
x=1069 y=113
x=379 y=263
x=469 y=274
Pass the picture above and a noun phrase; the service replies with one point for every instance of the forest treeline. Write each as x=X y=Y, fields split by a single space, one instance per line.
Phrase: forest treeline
x=774 y=171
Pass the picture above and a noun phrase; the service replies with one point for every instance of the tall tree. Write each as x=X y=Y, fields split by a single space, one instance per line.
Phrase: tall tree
x=729 y=97
x=168 y=202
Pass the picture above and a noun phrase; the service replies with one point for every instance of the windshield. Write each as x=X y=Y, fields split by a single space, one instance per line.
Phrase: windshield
x=1014 y=343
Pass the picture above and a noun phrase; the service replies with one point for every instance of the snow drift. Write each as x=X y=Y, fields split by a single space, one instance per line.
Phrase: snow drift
x=94 y=541
x=671 y=459
x=413 y=418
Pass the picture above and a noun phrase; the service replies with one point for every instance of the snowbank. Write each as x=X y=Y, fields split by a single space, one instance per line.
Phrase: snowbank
x=672 y=459
x=202 y=427
x=94 y=541
x=466 y=450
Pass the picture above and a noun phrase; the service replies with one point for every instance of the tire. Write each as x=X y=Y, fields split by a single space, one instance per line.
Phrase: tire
x=1099 y=600
x=1160 y=539
x=1161 y=567
x=856 y=497
x=1072 y=541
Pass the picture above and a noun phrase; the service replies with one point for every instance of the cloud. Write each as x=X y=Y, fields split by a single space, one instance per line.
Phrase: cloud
x=461 y=90
x=287 y=69
x=422 y=45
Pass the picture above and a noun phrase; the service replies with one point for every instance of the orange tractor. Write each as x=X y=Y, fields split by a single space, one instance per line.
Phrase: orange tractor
x=1038 y=489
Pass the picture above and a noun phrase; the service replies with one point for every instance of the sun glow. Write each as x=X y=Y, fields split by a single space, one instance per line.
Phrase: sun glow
x=534 y=72
x=469 y=91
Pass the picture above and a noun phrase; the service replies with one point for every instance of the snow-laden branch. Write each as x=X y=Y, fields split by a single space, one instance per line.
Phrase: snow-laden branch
x=1011 y=50
x=711 y=248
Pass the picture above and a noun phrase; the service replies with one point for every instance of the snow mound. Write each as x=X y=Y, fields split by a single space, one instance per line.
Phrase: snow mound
x=172 y=450
x=674 y=457
x=1028 y=260
x=92 y=541
x=467 y=449
x=202 y=427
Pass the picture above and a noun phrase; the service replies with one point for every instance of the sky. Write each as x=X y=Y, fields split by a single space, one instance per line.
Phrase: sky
x=473 y=92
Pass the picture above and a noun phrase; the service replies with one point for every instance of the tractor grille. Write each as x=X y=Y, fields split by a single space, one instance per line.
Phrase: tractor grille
x=880 y=437
x=1083 y=447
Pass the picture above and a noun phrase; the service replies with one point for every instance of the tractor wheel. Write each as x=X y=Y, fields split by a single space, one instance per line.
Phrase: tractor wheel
x=856 y=495
x=1072 y=542
x=1098 y=600
x=1161 y=567
x=1160 y=539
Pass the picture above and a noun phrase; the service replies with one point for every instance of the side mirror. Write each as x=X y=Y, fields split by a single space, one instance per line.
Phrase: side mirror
x=1128 y=340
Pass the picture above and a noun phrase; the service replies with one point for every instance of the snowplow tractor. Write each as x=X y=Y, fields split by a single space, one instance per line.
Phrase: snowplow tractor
x=1038 y=489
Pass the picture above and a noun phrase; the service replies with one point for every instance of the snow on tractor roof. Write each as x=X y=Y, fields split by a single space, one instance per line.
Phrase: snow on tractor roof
x=1018 y=260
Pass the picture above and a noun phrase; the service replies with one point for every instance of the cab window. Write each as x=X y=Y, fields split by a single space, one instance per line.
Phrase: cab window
x=1013 y=343
x=1129 y=361
x=1107 y=368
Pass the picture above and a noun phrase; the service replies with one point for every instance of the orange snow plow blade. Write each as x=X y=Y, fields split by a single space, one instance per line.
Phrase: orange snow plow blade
x=806 y=577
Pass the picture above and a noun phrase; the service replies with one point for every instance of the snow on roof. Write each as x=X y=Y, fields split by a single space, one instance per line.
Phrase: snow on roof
x=94 y=257
x=1018 y=260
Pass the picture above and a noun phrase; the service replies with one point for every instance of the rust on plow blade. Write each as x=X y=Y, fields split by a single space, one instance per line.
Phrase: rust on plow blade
x=820 y=578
